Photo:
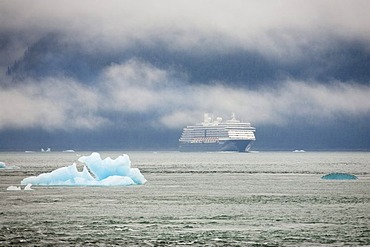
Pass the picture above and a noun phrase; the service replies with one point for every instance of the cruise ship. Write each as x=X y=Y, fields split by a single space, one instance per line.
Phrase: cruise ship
x=213 y=135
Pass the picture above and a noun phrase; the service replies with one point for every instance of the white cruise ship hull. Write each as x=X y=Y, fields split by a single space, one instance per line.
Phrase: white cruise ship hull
x=225 y=146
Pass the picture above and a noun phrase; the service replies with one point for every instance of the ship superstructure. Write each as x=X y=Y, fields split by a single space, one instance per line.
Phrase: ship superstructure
x=216 y=135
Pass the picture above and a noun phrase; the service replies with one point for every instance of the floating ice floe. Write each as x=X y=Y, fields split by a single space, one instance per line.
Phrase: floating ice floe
x=107 y=172
x=12 y=187
x=5 y=166
x=339 y=176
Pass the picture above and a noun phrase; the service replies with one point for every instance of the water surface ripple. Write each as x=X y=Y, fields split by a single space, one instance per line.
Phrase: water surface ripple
x=204 y=199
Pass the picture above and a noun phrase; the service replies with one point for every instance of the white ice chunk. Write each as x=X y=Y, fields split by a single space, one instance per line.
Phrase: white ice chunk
x=12 y=187
x=28 y=187
x=136 y=176
x=2 y=165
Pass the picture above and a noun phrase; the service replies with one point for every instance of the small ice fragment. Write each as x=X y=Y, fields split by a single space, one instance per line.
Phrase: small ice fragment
x=12 y=187
x=339 y=176
x=28 y=187
x=2 y=165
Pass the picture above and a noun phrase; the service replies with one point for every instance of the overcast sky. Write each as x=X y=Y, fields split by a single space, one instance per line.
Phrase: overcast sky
x=92 y=65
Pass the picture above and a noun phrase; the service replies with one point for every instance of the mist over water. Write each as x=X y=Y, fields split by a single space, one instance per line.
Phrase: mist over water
x=217 y=199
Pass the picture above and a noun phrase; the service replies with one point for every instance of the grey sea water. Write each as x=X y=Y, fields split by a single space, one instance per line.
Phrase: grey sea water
x=199 y=199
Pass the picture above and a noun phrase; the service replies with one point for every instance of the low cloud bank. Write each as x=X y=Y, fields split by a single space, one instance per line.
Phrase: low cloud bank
x=96 y=172
x=136 y=87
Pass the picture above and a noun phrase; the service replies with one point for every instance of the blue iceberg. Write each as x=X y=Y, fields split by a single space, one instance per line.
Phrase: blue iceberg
x=96 y=172
x=2 y=165
x=339 y=176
